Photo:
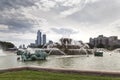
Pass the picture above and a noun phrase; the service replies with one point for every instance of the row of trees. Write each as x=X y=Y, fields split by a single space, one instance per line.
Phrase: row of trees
x=6 y=45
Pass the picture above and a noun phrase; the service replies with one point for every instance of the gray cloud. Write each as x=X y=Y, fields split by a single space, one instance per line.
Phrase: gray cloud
x=9 y=4
x=12 y=16
x=64 y=31
x=16 y=22
x=101 y=12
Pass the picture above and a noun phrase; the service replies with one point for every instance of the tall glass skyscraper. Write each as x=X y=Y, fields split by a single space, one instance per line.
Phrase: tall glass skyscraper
x=44 y=39
x=39 y=39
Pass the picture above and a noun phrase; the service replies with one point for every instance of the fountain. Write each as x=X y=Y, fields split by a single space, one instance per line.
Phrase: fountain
x=67 y=46
x=52 y=50
x=116 y=50
x=2 y=53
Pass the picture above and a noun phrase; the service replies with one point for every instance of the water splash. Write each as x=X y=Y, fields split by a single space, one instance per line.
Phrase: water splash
x=2 y=53
x=116 y=50
x=53 y=49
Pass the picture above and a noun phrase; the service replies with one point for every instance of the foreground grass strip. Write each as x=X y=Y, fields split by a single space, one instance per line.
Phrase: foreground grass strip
x=43 y=75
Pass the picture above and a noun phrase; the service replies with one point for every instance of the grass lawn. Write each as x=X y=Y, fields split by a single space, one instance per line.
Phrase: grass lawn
x=37 y=75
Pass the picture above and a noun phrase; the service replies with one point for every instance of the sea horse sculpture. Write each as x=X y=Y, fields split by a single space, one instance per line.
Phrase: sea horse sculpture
x=27 y=56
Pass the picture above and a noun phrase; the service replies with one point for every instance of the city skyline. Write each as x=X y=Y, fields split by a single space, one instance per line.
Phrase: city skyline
x=77 y=19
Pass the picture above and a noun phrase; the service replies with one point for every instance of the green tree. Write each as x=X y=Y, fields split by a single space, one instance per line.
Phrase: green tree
x=6 y=45
x=100 y=46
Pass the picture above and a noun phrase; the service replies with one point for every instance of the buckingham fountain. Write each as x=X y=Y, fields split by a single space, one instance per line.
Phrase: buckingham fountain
x=67 y=46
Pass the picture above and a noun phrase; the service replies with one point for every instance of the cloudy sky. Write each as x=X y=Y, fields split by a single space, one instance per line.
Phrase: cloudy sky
x=78 y=19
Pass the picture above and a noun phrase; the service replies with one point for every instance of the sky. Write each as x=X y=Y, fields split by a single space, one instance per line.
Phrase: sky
x=78 y=19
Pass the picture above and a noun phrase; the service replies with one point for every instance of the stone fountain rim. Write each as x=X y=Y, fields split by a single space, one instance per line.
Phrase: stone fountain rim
x=61 y=70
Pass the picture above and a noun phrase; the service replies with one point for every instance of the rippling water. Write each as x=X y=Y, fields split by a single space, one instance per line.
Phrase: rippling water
x=109 y=62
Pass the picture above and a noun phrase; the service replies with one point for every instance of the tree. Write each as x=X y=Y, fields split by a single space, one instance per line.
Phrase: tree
x=6 y=45
x=100 y=45
x=115 y=46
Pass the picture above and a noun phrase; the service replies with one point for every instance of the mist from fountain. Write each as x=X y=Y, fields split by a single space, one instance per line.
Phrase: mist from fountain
x=84 y=48
x=110 y=52
x=116 y=50
x=73 y=47
x=54 y=49
x=67 y=46
x=61 y=52
x=48 y=50
x=2 y=53
x=51 y=50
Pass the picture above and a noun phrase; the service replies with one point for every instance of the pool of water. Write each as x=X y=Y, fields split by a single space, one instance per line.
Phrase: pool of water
x=109 y=62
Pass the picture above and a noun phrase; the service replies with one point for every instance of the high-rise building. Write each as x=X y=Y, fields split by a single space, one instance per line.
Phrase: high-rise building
x=106 y=41
x=112 y=40
x=44 y=39
x=39 y=39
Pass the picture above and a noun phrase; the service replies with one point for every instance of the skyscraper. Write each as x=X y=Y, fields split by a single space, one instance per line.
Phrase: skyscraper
x=39 y=40
x=44 y=39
